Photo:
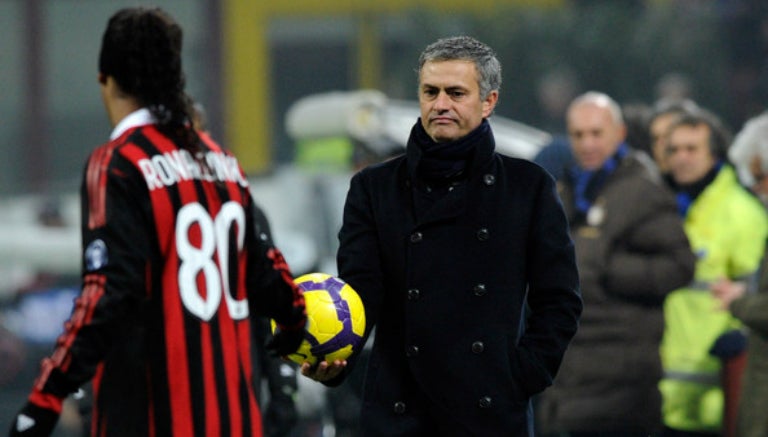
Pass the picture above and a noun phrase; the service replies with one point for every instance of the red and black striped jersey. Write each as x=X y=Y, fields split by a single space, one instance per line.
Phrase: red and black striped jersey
x=175 y=264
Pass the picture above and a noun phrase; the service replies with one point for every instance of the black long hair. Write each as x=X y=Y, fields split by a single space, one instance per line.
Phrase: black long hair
x=141 y=50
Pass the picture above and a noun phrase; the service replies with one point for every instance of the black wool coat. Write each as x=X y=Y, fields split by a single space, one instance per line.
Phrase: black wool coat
x=447 y=290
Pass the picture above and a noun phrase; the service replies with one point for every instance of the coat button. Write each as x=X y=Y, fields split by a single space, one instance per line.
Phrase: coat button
x=489 y=179
x=416 y=237
x=480 y=290
x=483 y=234
x=412 y=351
x=478 y=347
x=414 y=294
x=399 y=407
x=484 y=402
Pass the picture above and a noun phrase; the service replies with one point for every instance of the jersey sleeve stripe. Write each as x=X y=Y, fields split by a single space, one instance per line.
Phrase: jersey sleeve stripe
x=96 y=179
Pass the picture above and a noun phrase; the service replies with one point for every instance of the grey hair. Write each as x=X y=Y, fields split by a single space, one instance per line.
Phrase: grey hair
x=465 y=48
x=599 y=99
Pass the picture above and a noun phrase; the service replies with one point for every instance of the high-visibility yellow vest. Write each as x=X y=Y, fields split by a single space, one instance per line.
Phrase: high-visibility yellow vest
x=727 y=229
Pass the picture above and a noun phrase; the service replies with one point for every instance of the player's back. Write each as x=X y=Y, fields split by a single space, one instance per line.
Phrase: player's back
x=176 y=225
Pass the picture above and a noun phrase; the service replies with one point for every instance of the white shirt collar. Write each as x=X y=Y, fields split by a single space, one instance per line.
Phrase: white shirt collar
x=139 y=117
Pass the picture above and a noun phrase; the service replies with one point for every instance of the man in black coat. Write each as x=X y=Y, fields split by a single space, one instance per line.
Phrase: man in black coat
x=464 y=264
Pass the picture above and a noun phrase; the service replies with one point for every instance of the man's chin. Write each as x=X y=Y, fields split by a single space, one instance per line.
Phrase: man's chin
x=443 y=135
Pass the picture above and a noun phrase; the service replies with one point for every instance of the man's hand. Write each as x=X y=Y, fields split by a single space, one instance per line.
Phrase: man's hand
x=324 y=371
x=285 y=342
x=34 y=421
x=726 y=291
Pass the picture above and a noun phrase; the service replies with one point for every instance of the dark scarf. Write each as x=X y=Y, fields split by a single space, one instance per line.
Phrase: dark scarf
x=587 y=184
x=686 y=194
x=441 y=163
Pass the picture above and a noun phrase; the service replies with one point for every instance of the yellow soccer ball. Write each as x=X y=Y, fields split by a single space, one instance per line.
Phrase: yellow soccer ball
x=335 y=319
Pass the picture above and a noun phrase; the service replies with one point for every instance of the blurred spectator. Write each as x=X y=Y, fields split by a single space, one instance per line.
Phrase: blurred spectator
x=664 y=113
x=554 y=91
x=556 y=157
x=751 y=309
x=34 y=319
x=11 y=355
x=636 y=117
x=727 y=228
x=749 y=152
x=631 y=251
x=674 y=86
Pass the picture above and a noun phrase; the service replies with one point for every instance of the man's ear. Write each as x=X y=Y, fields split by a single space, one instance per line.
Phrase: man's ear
x=102 y=78
x=490 y=103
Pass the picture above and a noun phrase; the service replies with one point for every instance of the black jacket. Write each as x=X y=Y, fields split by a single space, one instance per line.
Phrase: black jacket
x=453 y=354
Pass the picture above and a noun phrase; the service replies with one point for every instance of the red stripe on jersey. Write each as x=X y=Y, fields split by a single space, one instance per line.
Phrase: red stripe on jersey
x=95 y=414
x=46 y=400
x=151 y=430
x=177 y=367
x=93 y=290
x=96 y=183
x=231 y=331
x=175 y=332
x=176 y=352
x=242 y=196
x=279 y=264
x=231 y=368
x=161 y=203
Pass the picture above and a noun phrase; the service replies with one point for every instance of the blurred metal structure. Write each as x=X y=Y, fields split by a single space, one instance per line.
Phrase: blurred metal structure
x=368 y=116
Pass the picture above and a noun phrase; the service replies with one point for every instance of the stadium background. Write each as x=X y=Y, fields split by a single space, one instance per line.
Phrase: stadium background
x=248 y=61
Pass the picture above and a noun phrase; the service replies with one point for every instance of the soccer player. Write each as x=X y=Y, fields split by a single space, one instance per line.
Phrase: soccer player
x=174 y=263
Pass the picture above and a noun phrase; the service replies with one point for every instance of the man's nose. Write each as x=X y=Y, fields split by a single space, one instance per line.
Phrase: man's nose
x=443 y=101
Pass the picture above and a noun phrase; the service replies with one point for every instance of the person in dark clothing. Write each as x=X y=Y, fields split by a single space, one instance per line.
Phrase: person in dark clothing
x=448 y=245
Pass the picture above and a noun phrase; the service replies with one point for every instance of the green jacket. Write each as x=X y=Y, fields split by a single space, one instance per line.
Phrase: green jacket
x=727 y=228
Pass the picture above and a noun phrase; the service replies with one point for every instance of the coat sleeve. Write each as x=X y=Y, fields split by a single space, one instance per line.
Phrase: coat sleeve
x=359 y=258
x=652 y=257
x=554 y=299
x=752 y=310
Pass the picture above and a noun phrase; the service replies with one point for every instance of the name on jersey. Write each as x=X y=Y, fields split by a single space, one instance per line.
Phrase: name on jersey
x=179 y=165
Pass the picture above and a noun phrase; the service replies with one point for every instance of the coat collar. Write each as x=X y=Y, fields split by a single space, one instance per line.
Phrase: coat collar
x=484 y=151
x=477 y=172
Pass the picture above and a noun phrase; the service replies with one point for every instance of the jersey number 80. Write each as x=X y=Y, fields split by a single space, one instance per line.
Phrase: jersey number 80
x=195 y=260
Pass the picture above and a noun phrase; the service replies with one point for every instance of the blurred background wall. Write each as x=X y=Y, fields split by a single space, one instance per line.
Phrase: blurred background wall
x=247 y=61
